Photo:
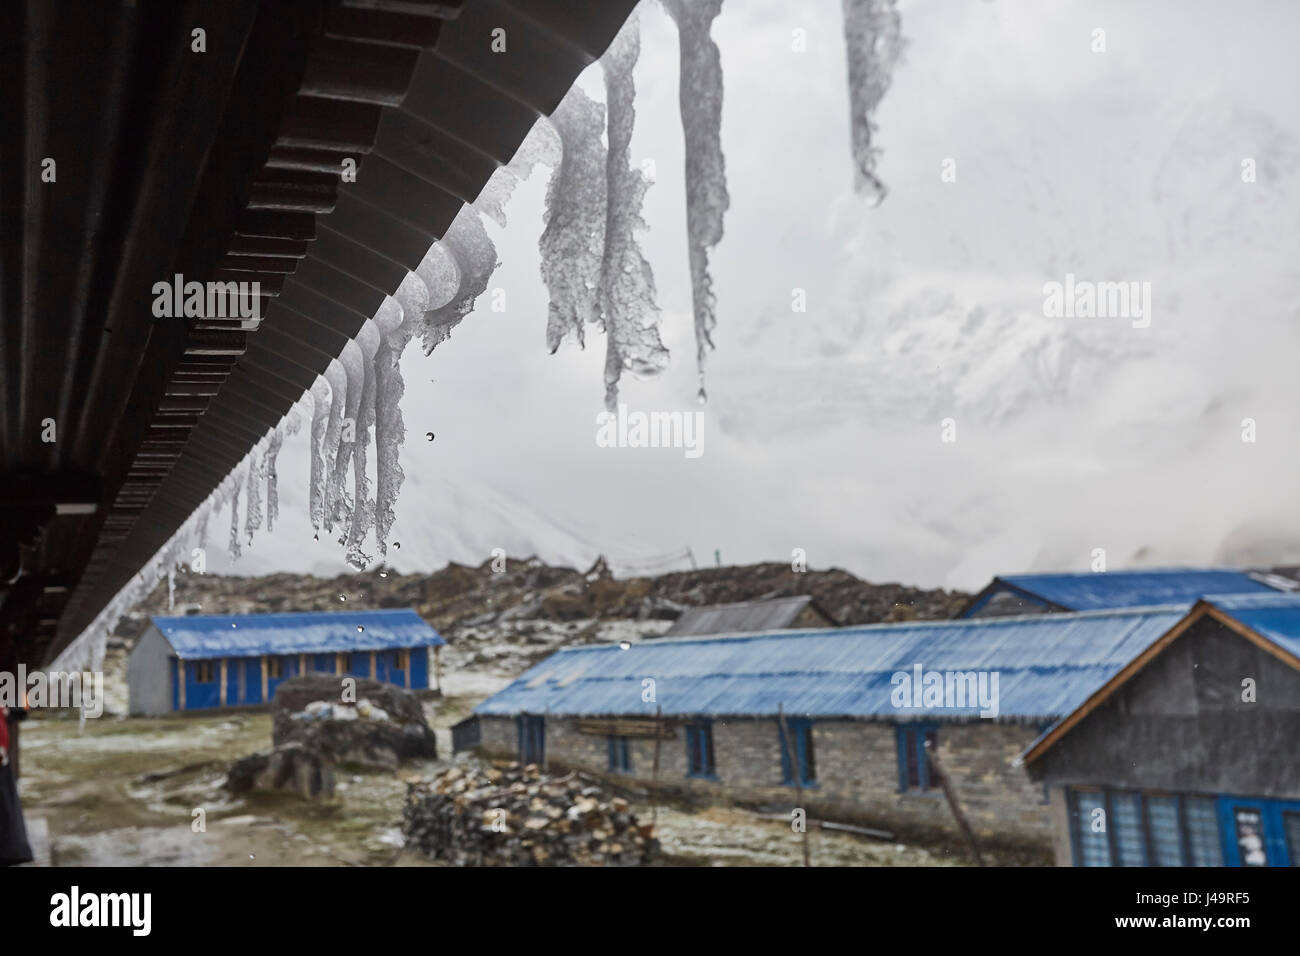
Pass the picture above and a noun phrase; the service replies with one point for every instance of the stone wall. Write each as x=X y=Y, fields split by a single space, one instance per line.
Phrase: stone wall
x=856 y=770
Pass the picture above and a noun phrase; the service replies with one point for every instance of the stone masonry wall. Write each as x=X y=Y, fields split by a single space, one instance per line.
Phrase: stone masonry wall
x=856 y=769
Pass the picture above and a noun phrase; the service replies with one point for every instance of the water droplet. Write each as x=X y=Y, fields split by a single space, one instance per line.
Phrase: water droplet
x=234 y=625
x=701 y=397
x=315 y=537
x=428 y=436
x=343 y=597
x=360 y=628
x=251 y=857
x=383 y=574
x=397 y=544
x=624 y=645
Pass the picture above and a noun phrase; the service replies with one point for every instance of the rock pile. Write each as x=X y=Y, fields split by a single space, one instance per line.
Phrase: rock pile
x=517 y=816
x=385 y=726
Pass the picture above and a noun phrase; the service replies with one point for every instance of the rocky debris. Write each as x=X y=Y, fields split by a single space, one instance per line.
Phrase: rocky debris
x=512 y=815
x=291 y=766
x=386 y=725
x=478 y=610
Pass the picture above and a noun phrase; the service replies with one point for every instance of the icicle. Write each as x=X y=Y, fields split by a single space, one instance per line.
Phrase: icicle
x=627 y=285
x=171 y=589
x=397 y=323
x=700 y=98
x=475 y=259
x=235 y=550
x=363 y=510
x=573 y=243
x=272 y=486
x=874 y=45
x=338 y=508
x=541 y=147
x=253 y=506
x=322 y=394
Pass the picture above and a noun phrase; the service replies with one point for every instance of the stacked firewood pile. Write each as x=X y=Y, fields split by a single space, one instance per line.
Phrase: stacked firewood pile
x=516 y=815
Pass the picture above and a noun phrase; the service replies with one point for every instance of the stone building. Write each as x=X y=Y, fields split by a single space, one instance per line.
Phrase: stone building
x=1187 y=756
x=860 y=705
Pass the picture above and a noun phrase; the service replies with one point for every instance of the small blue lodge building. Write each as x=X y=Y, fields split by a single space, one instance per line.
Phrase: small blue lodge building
x=202 y=662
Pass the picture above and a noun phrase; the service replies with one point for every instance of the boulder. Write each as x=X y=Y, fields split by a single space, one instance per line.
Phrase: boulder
x=291 y=767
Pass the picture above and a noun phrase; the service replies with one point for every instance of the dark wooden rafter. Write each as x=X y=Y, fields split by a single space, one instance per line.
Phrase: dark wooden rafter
x=234 y=166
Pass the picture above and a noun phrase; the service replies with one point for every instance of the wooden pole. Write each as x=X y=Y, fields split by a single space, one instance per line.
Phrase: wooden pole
x=265 y=697
x=797 y=772
x=654 y=774
x=180 y=678
x=221 y=692
x=951 y=795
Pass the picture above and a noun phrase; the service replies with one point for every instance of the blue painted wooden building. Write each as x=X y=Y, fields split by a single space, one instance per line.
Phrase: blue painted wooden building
x=211 y=661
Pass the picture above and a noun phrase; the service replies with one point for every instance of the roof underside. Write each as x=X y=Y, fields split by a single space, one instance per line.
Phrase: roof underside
x=1046 y=666
x=244 y=635
x=224 y=166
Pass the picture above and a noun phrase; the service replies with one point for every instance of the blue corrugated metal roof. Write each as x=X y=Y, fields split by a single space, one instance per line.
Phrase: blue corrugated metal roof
x=1046 y=666
x=1089 y=591
x=245 y=635
x=1273 y=616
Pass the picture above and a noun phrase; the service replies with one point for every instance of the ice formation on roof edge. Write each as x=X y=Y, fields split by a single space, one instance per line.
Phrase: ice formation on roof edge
x=572 y=243
x=627 y=286
x=873 y=43
x=700 y=98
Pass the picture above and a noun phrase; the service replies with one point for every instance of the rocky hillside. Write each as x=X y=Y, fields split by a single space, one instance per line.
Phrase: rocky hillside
x=500 y=622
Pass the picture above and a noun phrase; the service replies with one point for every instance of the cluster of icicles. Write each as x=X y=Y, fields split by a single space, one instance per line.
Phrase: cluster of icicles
x=592 y=266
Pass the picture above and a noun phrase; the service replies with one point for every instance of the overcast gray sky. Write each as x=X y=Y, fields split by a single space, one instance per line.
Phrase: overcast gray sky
x=823 y=428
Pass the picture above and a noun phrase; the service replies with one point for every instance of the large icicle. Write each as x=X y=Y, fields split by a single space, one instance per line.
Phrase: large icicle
x=321 y=396
x=411 y=301
x=253 y=505
x=700 y=98
x=338 y=506
x=474 y=259
x=363 y=509
x=573 y=243
x=627 y=285
x=337 y=377
x=272 y=479
x=235 y=550
x=874 y=44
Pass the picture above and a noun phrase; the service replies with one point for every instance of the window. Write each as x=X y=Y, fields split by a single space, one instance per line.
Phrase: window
x=1112 y=828
x=800 y=730
x=275 y=667
x=1088 y=828
x=1291 y=827
x=699 y=749
x=1125 y=825
x=620 y=755
x=399 y=660
x=1202 y=824
x=914 y=770
x=1163 y=831
x=204 y=672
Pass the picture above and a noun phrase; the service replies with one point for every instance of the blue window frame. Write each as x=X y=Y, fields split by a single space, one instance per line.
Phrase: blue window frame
x=620 y=754
x=914 y=772
x=699 y=749
x=801 y=734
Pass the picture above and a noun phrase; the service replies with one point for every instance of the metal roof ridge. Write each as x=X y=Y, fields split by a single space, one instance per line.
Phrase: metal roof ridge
x=1180 y=607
